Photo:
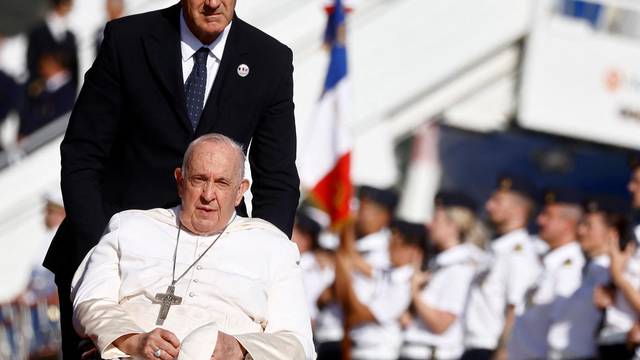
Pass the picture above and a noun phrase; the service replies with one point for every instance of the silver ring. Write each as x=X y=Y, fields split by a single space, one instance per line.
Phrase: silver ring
x=157 y=353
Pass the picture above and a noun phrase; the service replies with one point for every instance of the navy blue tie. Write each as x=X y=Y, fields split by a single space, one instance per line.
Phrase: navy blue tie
x=195 y=86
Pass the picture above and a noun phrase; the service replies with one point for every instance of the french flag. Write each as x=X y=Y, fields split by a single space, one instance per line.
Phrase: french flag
x=326 y=157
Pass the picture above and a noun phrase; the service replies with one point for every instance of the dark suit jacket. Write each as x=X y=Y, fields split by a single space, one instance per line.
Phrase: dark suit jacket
x=41 y=41
x=129 y=128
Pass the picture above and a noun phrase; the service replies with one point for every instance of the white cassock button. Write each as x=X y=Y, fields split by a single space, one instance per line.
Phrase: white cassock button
x=195 y=280
x=243 y=70
x=199 y=267
x=192 y=294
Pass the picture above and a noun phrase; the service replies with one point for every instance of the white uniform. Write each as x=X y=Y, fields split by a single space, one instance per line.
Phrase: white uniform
x=573 y=331
x=375 y=248
x=447 y=291
x=561 y=276
x=387 y=295
x=248 y=285
x=502 y=280
x=620 y=316
x=316 y=279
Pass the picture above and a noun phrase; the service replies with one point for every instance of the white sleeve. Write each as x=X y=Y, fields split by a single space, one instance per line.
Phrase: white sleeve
x=288 y=331
x=453 y=288
x=388 y=305
x=94 y=292
x=521 y=274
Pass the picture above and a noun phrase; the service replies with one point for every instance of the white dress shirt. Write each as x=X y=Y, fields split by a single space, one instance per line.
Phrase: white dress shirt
x=248 y=285
x=189 y=44
x=58 y=26
x=502 y=280
x=446 y=291
x=387 y=295
x=560 y=278
x=573 y=331
x=620 y=316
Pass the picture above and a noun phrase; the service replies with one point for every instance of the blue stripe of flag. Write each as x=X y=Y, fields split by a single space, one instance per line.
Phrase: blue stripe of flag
x=338 y=61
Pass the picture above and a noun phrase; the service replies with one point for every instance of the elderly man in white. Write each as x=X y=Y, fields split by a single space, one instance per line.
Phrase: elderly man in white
x=196 y=281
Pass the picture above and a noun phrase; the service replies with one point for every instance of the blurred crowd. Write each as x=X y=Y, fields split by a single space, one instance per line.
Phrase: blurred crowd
x=459 y=287
x=48 y=88
x=30 y=323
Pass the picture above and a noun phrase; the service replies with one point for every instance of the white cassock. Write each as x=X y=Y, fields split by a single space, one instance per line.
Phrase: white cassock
x=248 y=285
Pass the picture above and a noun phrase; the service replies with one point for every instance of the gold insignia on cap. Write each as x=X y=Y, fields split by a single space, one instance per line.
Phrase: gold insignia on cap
x=506 y=183
x=550 y=197
x=518 y=248
x=567 y=262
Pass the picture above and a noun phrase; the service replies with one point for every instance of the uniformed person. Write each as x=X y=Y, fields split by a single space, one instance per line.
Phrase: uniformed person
x=372 y=234
x=511 y=268
x=573 y=332
x=439 y=295
x=315 y=263
x=375 y=211
x=560 y=278
x=374 y=303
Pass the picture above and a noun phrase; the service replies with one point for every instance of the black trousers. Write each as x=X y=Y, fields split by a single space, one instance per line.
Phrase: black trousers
x=331 y=350
x=616 y=351
x=477 y=354
x=70 y=339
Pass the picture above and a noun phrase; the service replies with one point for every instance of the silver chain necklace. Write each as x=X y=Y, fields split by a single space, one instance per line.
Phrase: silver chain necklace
x=169 y=298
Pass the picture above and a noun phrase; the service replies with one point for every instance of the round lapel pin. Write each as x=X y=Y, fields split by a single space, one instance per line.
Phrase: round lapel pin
x=243 y=70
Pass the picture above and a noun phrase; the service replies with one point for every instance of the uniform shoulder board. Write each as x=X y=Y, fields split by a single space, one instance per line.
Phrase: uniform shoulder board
x=567 y=263
x=517 y=248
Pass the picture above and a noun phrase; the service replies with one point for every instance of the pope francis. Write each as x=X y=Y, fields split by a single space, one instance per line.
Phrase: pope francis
x=196 y=281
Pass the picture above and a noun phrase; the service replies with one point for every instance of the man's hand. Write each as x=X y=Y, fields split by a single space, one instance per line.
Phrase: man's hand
x=227 y=348
x=146 y=344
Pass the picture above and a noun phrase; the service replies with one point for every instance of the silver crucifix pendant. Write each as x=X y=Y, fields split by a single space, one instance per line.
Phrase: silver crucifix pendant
x=167 y=299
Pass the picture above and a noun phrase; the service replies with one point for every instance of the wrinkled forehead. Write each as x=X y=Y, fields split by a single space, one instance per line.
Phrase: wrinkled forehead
x=213 y=158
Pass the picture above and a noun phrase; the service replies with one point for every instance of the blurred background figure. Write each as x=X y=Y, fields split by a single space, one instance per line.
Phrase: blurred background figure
x=435 y=330
x=29 y=325
x=512 y=266
x=316 y=263
x=620 y=299
x=374 y=301
x=50 y=94
x=561 y=276
x=114 y=10
x=634 y=188
x=571 y=335
x=53 y=36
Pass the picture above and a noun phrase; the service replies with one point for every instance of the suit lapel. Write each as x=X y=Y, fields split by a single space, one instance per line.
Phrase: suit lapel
x=165 y=59
x=235 y=49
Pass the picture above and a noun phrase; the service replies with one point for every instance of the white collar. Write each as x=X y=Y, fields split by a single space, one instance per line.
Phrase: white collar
x=602 y=260
x=57 y=81
x=57 y=26
x=401 y=274
x=564 y=253
x=189 y=43
x=455 y=255
x=374 y=242
x=507 y=241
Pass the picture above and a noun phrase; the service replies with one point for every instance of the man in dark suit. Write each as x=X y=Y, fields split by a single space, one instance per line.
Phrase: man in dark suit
x=50 y=35
x=160 y=80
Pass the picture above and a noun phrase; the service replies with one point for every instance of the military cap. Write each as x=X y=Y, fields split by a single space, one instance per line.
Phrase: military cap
x=385 y=197
x=455 y=198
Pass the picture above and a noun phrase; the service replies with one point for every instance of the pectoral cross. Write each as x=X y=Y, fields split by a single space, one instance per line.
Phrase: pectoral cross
x=167 y=299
